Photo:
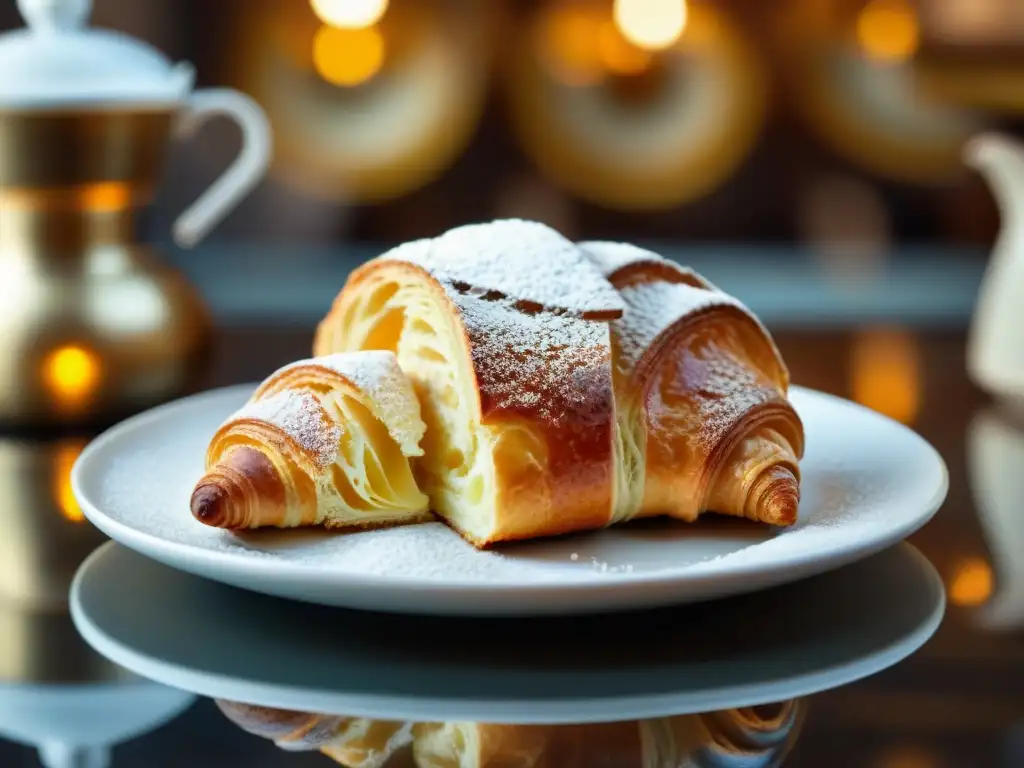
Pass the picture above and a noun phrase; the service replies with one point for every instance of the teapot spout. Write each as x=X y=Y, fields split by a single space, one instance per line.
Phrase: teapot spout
x=1000 y=160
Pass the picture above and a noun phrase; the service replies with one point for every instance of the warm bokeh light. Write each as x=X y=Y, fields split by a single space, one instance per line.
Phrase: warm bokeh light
x=352 y=14
x=909 y=756
x=971 y=583
x=888 y=30
x=568 y=40
x=64 y=456
x=71 y=373
x=348 y=57
x=651 y=24
x=886 y=373
x=619 y=55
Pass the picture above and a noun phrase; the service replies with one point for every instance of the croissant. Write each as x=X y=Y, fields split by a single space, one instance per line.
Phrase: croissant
x=351 y=741
x=327 y=441
x=756 y=735
x=502 y=328
x=703 y=422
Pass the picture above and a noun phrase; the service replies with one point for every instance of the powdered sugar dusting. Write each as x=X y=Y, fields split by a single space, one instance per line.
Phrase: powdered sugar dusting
x=654 y=307
x=523 y=260
x=730 y=389
x=377 y=374
x=556 y=367
x=610 y=257
x=300 y=416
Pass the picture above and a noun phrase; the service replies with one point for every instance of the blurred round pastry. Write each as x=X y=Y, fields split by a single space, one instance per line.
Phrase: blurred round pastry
x=852 y=76
x=367 y=113
x=629 y=122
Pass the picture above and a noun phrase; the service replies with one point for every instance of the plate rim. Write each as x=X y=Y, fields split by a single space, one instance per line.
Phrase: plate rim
x=584 y=710
x=165 y=551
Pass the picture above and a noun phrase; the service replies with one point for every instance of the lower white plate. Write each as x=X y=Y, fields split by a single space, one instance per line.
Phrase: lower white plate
x=743 y=651
x=867 y=483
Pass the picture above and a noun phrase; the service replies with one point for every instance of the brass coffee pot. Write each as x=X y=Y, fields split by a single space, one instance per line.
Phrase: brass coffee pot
x=91 y=323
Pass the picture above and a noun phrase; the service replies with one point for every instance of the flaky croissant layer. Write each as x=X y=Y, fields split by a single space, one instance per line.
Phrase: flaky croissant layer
x=321 y=442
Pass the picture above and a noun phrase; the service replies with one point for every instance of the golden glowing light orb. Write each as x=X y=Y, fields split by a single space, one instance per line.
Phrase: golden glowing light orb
x=348 y=57
x=651 y=24
x=568 y=40
x=971 y=583
x=64 y=458
x=888 y=31
x=619 y=55
x=886 y=373
x=71 y=373
x=352 y=14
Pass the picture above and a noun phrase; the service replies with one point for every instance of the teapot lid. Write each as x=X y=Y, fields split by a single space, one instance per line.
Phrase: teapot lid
x=57 y=60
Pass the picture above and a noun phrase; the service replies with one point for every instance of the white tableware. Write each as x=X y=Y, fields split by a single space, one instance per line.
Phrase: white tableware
x=868 y=482
x=748 y=650
x=995 y=350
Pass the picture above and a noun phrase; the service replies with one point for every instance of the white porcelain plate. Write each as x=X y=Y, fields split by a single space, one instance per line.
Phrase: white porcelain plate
x=746 y=650
x=867 y=483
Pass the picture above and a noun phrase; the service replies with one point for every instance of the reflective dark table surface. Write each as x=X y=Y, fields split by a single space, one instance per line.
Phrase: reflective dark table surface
x=957 y=702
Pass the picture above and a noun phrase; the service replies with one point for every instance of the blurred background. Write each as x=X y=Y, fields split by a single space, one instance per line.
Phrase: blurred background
x=805 y=155
x=816 y=123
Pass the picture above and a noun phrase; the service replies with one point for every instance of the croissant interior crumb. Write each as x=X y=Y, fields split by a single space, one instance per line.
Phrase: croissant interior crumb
x=368 y=480
x=457 y=469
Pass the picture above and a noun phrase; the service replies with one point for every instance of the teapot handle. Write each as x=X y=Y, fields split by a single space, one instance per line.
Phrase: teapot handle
x=247 y=170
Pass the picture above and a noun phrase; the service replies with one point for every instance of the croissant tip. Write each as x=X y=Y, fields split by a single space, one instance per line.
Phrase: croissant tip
x=782 y=502
x=209 y=505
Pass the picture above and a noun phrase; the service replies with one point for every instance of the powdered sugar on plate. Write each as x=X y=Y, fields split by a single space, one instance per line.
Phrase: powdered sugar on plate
x=867 y=482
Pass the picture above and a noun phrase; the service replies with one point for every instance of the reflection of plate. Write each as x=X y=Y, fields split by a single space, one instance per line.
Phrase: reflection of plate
x=995 y=453
x=867 y=483
x=784 y=643
x=673 y=145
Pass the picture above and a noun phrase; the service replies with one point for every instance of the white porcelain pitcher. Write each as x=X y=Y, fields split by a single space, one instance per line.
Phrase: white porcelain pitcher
x=995 y=355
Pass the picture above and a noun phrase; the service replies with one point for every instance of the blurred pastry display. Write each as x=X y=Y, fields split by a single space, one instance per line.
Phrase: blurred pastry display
x=632 y=110
x=91 y=322
x=761 y=735
x=972 y=54
x=367 y=109
x=995 y=352
x=851 y=73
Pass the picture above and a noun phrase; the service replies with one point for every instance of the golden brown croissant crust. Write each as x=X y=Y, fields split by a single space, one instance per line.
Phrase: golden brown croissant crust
x=763 y=735
x=320 y=442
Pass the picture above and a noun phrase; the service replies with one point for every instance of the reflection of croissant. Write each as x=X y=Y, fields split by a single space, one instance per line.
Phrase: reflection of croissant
x=756 y=735
x=703 y=419
x=324 y=441
x=504 y=329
